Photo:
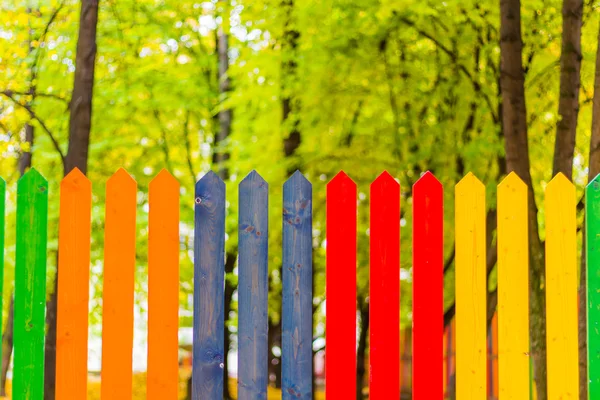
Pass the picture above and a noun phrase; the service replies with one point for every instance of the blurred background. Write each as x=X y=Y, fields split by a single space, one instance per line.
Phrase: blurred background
x=235 y=85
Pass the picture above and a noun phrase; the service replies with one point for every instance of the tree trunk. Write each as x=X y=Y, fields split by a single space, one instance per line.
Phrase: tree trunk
x=7 y=344
x=220 y=160
x=77 y=155
x=289 y=68
x=362 y=349
x=229 y=289
x=274 y=340
x=83 y=88
x=594 y=165
x=514 y=121
x=568 y=104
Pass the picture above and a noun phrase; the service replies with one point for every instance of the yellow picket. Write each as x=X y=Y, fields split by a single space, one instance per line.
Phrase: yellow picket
x=561 y=290
x=470 y=289
x=513 y=289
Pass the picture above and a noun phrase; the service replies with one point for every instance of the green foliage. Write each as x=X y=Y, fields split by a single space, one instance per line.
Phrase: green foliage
x=403 y=87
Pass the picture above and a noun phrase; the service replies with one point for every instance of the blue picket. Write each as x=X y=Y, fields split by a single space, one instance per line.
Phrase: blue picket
x=209 y=275
x=297 y=324
x=253 y=287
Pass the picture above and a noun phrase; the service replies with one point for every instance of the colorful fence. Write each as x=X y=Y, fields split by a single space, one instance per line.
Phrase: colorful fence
x=209 y=243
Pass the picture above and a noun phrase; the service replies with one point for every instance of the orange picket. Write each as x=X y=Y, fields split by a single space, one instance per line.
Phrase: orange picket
x=119 y=270
x=163 y=288
x=73 y=278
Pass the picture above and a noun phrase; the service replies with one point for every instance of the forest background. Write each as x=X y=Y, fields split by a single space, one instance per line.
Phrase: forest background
x=235 y=85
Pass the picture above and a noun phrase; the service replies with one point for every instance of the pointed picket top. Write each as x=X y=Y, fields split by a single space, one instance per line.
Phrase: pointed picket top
x=469 y=182
x=558 y=184
x=165 y=180
x=75 y=180
x=210 y=179
x=121 y=178
x=297 y=180
x=253 y=179
x=210 y=186
x=33 y=177
x=2 y=186
x=341 y=180
x=513 y=183
x=592 y=191
x=594 y=182
x=427 y=180
x=253 y=201
x=384 y=180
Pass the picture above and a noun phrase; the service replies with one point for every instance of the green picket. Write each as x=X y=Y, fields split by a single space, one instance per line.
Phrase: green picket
x=592 y=246
x=2 y=210
x=30 y=287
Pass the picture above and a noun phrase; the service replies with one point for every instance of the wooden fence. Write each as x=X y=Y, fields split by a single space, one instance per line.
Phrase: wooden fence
x=297 y=323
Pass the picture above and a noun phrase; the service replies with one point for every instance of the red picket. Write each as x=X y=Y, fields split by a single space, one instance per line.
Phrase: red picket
x=384 y=293
x=428 y=288
x=340 y=357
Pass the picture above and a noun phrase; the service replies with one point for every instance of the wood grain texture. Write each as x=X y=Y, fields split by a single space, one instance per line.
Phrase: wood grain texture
x=561 y=290
x=428 y=288
x=384 y=292
x=117 y=301
x=592 y=247
x=513 y=290
x=163 y=288
x=30 y=286
x=253 y=242
x=470 y=289
x=340 y=358
x=2 y=228
x=74 y=229
x=209 y=275
x=297 y=324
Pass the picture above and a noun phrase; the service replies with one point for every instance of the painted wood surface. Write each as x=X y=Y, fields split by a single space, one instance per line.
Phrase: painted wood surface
x=340 y=360
x=74 y=229
x=30 y=286
x=384 y=292
x=513 y=290
x=209 y=274
x=2 y=228
x=561 y=290
x=470 y=289
x=428 y=288
x=163 y=288
x=592 y=246
x=117 y=301
x=253 y=242
x=297 y=291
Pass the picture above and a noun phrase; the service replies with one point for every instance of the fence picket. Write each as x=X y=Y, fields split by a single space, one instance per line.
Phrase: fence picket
x=592 y=247
x=209 y=274
x=561 y=290
x=340 y=320
x=253 y=241
x=513 y=289
x=74 y=231
x=297 y=324
x=428 y=288
x=163 y=288
x=471 y=289
x=119 y=271
x=30 y=286
x=384 y=292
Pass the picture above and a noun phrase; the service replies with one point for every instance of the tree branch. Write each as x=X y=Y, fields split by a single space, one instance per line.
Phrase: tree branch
x=8 y=94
